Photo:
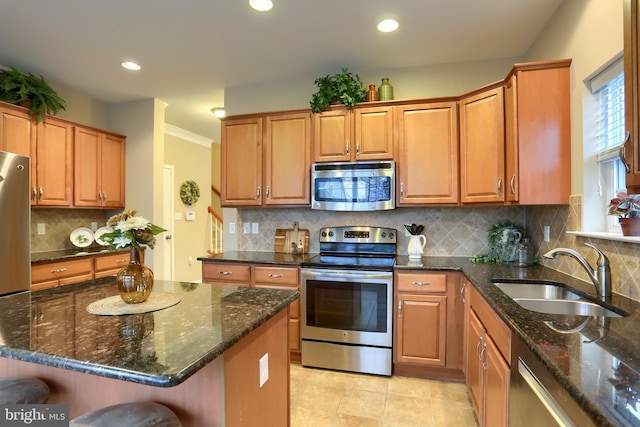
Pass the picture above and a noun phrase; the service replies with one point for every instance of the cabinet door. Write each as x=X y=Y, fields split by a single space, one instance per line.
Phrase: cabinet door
x=287 y=159
x=241 y=155
x=427 y=153
x=496 y=386
x=632 y=92
x=511 y=138
x=474 y=371
x=17 y=133
x=86 y=165
x=421 y=329
x=482 y=147
x=373 y=133
x=54 y=163
x=331 y=136
x=112 y=170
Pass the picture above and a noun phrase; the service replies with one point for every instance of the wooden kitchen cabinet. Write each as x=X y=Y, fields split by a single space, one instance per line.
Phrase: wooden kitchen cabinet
x=538 y=133
x=99 y=169
x=51 y=274
x=631 y=151
x=52 y=164
x=59 y=339
x=488 y=358
x=238 y=274
x=110 y=265
x=428 y=324
x=427 y=141
x=341 y=134
x=482 y=146
x=17 y=132
x=266 y=160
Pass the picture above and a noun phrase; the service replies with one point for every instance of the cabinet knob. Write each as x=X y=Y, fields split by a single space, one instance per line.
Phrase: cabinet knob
x=347 y=147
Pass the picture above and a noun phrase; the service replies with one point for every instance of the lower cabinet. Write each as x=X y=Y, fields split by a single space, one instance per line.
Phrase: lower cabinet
x=428 y=324
x=262 y=276
x=57 y=273
x=488 y=357
x=109 y=265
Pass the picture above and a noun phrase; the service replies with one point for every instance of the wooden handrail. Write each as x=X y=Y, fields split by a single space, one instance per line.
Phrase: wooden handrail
x=215 y=190
x=212 y=212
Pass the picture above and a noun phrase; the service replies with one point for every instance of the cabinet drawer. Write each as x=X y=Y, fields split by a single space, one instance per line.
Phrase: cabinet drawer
x=62 y=269
x=427 y=283
x=218 y=272
x=112 y=262
x=277 y=275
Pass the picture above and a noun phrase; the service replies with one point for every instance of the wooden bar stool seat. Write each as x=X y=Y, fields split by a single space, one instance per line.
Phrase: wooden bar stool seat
x=18 y=390
x=138 y=414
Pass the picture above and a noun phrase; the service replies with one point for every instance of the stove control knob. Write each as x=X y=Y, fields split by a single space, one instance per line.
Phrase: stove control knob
x=323 y=234
x=331 y=234
x=391 y=235
x=383 y=235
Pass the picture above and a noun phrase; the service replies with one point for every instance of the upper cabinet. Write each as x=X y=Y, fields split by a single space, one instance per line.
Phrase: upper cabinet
x=631 y=152
x=482 y=149
x=538 y=133
x=427 y=141
x=266 y=160
x=99 y=166
x=52 y=162
x=362 y=133
x=17 y=133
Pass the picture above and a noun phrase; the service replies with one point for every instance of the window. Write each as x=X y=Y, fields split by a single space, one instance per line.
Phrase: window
x=607 y=136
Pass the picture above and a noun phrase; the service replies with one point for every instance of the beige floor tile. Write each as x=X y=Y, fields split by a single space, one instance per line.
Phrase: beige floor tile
x=354 y=421
x=412 y=387
x=449 y=390
x=322 y=397
x=363 y=403
x=305 y=417
x=404 y=409
x=368 y=383
x=447 y=413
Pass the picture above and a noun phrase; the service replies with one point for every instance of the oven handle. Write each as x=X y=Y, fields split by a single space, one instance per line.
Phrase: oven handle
x=327 y=274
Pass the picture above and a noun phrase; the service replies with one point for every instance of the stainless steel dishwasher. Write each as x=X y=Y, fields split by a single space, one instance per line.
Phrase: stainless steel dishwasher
x=536 y=398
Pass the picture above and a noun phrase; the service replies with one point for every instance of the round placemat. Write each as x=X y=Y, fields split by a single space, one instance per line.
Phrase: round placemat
x=115 y=306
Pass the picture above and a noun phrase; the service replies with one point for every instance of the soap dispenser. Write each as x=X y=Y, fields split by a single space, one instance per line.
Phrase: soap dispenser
x=523 y=253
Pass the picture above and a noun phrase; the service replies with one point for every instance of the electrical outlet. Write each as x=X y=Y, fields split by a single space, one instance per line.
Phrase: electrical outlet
x=247 y=227
x=264 y=369
x=547 y=232
x=94 y=226
x=232 y=228
x=254 y=228
x=41 y=228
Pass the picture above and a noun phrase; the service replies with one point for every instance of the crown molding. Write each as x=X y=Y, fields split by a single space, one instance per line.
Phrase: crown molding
x=181 y=133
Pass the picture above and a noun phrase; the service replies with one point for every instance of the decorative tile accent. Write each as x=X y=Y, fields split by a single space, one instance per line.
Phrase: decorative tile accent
x=59 y=223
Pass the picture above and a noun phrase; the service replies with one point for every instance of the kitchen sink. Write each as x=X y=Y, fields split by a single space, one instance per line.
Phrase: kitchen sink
x=567 y=307
x=536 y=291
x=555 y=299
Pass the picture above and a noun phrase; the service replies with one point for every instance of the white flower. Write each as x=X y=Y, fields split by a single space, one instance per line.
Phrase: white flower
x=121 y=242
x=132 y=223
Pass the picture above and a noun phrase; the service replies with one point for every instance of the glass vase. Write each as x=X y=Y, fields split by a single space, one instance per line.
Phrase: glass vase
x=135 y=281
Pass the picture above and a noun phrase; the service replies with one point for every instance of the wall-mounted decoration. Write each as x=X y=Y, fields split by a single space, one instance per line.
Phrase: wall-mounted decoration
x=189 y=192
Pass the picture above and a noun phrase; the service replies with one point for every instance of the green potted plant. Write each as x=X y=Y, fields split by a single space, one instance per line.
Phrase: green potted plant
x=29 y=91
x=342 y=88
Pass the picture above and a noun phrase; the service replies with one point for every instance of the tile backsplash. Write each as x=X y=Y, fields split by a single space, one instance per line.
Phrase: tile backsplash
x=59 y=223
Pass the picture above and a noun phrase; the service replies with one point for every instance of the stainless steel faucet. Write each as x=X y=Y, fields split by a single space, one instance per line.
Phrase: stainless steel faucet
x=601 y=276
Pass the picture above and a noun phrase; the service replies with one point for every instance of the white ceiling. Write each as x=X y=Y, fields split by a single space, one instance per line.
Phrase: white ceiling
x=190 y=50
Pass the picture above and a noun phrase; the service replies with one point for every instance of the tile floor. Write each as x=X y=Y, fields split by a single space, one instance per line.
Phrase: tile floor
x=326 y=398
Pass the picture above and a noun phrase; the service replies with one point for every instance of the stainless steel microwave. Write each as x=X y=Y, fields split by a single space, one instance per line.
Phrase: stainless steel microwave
x=353 y=186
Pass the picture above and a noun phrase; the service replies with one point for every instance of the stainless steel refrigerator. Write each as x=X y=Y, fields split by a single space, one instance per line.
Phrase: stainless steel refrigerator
x=15 y=223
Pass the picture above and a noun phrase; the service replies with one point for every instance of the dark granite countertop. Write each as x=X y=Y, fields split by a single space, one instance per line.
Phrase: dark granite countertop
x=599 y=364
x=163 y=348
x=257 y=257
x=62 y=254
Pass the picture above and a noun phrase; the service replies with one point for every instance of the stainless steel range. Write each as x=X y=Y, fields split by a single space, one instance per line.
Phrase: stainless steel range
x=347 y=300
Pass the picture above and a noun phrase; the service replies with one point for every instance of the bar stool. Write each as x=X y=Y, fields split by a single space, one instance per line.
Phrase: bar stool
x=138 y=414
x=18 y=390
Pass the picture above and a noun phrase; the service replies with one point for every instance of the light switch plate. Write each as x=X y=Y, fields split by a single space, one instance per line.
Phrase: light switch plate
x=547 y=232
x=232 y=228
x=254 y=228
x=247 y=227
x=264 y=369
x=41 y=228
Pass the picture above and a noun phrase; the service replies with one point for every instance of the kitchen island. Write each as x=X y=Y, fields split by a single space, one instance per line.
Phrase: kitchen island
x=198 y=357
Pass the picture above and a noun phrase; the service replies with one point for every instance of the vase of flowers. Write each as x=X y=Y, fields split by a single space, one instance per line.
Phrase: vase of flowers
x=627 y=208
x=135 y=281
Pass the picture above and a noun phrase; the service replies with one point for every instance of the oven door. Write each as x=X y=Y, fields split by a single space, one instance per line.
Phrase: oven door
x=347 y=306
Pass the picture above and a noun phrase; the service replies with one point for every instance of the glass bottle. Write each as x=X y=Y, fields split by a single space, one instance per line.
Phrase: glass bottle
x=385 y=90
x=372 y=93
x=523 y=253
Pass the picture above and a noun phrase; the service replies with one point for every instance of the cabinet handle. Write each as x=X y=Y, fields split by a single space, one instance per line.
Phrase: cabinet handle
x=462 y=291
x=347 y=147
x=500 y=186
x=35 y=193
x=478 y=346
x=40 y=192
x=120 y=261
x=276 y=276
x=402 y=190
x=266 y=192
x=421 y=283
x=622 y=153
x=225 y=273
x=59 y=270
x=258 y=194
x=399 y=308
x=357 y=148
x=512 y=184
x=104 y=196
x=484 y=349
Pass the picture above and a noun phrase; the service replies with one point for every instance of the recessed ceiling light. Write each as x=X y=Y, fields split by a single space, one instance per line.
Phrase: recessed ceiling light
x=261 y=5
x=388 y=25
x=219 y=112
x=130 y=65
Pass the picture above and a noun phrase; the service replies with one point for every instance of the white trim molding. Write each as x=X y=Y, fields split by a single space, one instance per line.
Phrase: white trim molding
x=181 y=133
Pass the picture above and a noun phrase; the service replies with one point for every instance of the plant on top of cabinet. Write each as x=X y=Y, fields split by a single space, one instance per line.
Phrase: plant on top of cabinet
x=30 y=91
x=341 y=88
